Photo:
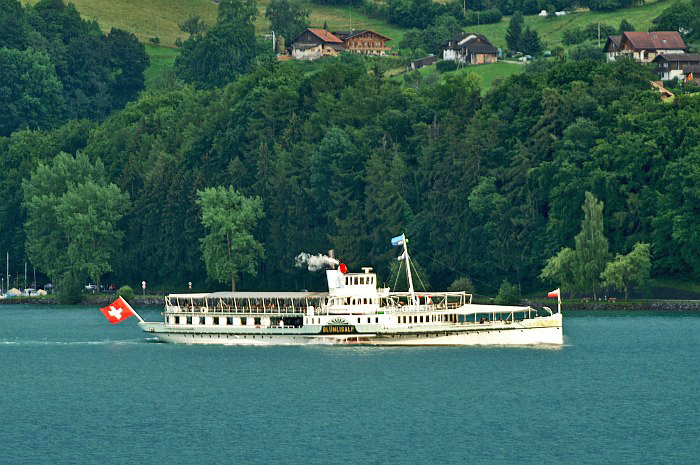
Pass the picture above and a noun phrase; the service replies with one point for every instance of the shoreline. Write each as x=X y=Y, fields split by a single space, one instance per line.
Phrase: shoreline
x=652 y=305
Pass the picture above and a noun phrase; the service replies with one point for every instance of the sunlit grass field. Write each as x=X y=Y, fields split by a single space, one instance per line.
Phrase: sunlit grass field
x=550 y=29
x=160 y=18
x=145 y=18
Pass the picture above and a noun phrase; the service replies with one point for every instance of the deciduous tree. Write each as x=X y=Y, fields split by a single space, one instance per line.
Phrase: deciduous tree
x=229 y=247
x=72 y=216
x=630 y=270
x=591 y=246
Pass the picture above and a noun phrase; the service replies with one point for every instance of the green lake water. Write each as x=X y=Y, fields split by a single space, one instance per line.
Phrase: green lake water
x=74 y=389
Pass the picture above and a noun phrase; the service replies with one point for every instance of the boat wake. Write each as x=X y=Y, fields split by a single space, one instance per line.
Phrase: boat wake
x=20 y=343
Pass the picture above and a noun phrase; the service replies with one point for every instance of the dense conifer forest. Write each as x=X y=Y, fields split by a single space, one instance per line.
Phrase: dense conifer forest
x=485 y=186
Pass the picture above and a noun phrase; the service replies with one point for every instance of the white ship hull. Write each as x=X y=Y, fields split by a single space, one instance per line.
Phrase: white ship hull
x=538 y=331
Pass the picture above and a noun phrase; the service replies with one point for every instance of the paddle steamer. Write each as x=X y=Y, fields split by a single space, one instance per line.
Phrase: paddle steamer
x=355 y=310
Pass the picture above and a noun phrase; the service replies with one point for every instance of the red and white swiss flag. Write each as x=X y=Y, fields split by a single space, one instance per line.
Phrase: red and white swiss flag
x=554 y=294
x=118 y=311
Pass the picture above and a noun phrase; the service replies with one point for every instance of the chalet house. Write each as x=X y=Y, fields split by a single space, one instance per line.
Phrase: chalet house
x=612 y=47
x=469 y=48
x=316 y=43
x=671 y=66
x=645 y=46
x=366 y=42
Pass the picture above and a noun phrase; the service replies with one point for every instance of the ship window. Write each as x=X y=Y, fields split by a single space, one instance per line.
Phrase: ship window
x=216 y=320
x=362 y=280
x=201 y=320
x=356 y=280
x=189 y=320
x=256 y=320
x=358 y=320
x=229 y=320
x=244 y=320
x=376 y=319
x=421 y=319
x=368 y=320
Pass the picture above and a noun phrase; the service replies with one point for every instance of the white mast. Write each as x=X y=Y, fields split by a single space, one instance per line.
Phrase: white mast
x=408 y=270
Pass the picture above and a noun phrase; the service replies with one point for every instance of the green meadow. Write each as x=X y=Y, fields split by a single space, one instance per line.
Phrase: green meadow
x=550 y=29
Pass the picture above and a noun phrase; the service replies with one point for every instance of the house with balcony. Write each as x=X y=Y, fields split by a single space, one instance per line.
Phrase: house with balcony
x=674 y=65
x=366 y=41
x=644 y=46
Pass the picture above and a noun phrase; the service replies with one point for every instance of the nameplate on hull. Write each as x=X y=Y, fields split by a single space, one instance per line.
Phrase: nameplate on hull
x=338 y=329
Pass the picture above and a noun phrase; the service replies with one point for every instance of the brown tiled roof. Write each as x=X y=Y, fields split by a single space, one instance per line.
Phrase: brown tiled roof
x=345 y=35
x=612 y=44
x=683 y=57
x=325 y=36
x=655 y=40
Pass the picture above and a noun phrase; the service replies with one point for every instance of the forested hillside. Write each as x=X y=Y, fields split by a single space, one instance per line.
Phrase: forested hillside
x=344 y=159
x=485 y=186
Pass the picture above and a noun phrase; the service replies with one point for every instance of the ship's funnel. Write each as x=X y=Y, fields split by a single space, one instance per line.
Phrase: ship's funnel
x=335 y=279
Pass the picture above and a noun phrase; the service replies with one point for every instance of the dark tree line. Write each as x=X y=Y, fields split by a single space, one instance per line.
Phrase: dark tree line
x=55 y=66
x=488 y=187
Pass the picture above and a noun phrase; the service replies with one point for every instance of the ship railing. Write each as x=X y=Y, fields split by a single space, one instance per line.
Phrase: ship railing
x=220 y=311
x=261 y=305
x=426 y=301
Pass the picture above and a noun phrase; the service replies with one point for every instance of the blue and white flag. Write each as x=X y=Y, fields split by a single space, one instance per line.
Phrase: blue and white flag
x=398 y=240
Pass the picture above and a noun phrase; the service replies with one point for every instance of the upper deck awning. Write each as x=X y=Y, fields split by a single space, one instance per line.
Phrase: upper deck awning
x=251 y=295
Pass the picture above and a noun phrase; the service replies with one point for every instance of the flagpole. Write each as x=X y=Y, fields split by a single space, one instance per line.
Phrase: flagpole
x=132 y=309
x=559 y=300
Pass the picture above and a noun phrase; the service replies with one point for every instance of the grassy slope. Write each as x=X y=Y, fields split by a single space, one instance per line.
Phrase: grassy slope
x=487 y=73
x=550 y=28
x=160 y=18
x=145 y=18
